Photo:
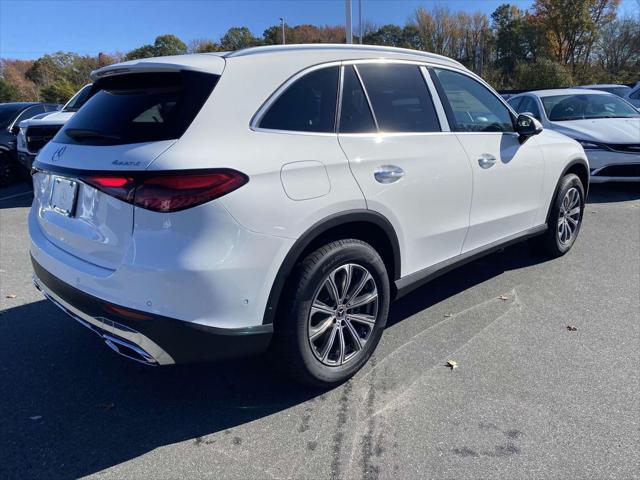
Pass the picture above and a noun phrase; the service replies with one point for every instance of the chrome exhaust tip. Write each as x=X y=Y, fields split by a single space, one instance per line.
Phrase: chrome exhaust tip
x=129 y=350
x=121 y=339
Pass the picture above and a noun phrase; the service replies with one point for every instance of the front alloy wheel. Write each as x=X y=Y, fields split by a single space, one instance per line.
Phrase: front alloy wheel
x=569 y=216
x=565 y=217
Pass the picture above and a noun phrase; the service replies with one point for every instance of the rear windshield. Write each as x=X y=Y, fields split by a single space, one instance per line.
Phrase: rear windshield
x=140 y=107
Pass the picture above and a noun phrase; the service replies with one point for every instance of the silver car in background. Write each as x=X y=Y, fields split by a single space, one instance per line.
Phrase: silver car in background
x=607 y=127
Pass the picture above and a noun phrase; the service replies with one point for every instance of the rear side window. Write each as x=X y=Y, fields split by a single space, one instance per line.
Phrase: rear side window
x=141 y=107
x=399 y=97
x=470 y=106
x=355 y=114
x=308 y=105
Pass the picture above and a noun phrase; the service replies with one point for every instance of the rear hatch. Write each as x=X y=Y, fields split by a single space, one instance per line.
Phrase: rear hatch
x=83 y=178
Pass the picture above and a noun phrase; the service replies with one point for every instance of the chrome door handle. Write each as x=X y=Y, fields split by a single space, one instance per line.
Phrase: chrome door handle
x=486 y=160
x=388 y=174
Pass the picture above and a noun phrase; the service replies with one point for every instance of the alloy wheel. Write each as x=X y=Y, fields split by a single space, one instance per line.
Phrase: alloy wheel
x=343 y=314
x=569 y=217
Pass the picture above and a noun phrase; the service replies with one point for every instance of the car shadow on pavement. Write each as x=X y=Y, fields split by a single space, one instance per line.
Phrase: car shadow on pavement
x=613 y=192
x=71 y=407
x=16 y=200
x=518 y=256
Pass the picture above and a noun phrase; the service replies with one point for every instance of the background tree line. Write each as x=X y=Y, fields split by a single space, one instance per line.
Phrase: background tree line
x=556 y=43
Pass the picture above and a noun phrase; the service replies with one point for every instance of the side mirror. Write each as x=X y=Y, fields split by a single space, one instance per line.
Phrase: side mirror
x=527 y=126
x=15 y=129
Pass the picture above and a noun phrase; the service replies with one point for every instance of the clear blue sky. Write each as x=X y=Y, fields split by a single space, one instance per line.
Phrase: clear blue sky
x=29 y=29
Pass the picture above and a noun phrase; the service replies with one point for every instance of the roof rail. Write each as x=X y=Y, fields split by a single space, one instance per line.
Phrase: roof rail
x=338 y=46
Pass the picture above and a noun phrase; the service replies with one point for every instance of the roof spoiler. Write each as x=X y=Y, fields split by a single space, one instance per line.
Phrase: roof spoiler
x=206 y=63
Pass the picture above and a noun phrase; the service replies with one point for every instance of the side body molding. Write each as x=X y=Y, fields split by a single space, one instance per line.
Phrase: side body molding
x=324 y=225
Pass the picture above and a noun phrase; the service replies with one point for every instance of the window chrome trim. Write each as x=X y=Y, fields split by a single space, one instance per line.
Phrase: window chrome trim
x=473 y=76
x=437 y=101
x=366 y=95
x=257 y=117
x=424 y=64
x=336 y=125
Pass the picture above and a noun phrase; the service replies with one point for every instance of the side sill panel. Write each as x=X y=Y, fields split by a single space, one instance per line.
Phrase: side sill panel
x=411 y=282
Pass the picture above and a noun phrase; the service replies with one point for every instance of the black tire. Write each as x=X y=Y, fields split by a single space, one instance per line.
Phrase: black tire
x=551 y=242
x=7 y=170
x=298 y=354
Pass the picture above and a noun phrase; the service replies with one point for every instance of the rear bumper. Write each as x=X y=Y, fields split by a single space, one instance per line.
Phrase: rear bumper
x=149 y=338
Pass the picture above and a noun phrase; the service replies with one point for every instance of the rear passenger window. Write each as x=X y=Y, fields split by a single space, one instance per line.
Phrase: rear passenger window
x=355 y=115
x=470 y=106
x=308 y=105
x=399 y=97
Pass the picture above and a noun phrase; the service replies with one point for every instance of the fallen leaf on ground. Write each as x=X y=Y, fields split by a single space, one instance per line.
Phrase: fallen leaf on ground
x=12 y=295
x=503 y=297
x=36 y=417
x=106 y=406
x=572 y=328
x=452 y=364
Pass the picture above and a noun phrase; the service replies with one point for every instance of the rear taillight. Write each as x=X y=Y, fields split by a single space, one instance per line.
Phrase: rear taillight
x=169 y=192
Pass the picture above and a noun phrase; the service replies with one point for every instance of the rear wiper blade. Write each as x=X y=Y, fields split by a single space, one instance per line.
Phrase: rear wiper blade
x=82 y=134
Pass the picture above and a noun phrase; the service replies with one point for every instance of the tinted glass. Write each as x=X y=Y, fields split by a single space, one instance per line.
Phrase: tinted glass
x=78 y=99
x=30 y=112
x=578 y=107
x=355 y=115
x=8 y=112
x=308 y=105
x=141 y=107
x=399 y=97
x=515 y=103
x=471 y=107
x=529 y=105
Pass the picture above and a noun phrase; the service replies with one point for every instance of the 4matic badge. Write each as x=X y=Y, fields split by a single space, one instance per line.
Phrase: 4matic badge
x=120 y=163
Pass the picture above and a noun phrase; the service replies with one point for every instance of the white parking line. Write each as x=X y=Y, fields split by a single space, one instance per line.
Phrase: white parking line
x=16 y=195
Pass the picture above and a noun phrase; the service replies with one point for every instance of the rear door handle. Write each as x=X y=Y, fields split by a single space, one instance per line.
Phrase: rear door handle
x=388 y=174
x=486 y=160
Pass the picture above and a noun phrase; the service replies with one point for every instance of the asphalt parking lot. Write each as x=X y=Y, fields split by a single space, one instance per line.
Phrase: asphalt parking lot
x=529 y=399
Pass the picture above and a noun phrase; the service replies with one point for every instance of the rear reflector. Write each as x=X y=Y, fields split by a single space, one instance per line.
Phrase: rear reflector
x=171 y=191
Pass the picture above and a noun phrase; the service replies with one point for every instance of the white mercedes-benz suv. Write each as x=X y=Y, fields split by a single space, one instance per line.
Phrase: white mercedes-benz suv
x=214 y=205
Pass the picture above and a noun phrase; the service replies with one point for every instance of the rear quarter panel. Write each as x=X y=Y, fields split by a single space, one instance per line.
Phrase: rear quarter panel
x=221 y=136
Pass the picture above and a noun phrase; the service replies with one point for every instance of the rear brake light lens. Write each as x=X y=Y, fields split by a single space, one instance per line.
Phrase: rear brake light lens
x=121 y=188
x=169 y=192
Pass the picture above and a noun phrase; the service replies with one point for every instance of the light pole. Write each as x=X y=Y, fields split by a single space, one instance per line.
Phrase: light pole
x=348 y=23
x=360 y=20
x=282 y=25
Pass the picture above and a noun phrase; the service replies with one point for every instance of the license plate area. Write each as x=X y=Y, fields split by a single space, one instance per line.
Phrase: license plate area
x=63 y=195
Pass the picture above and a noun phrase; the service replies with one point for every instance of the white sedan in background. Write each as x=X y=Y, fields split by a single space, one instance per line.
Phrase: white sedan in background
x=607 y=127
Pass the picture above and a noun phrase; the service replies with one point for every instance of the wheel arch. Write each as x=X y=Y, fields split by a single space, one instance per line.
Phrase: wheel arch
x=577 y=166
x=364 y=225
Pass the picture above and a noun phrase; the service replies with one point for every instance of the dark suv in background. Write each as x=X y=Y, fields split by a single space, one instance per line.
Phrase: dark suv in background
x=11 y=114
